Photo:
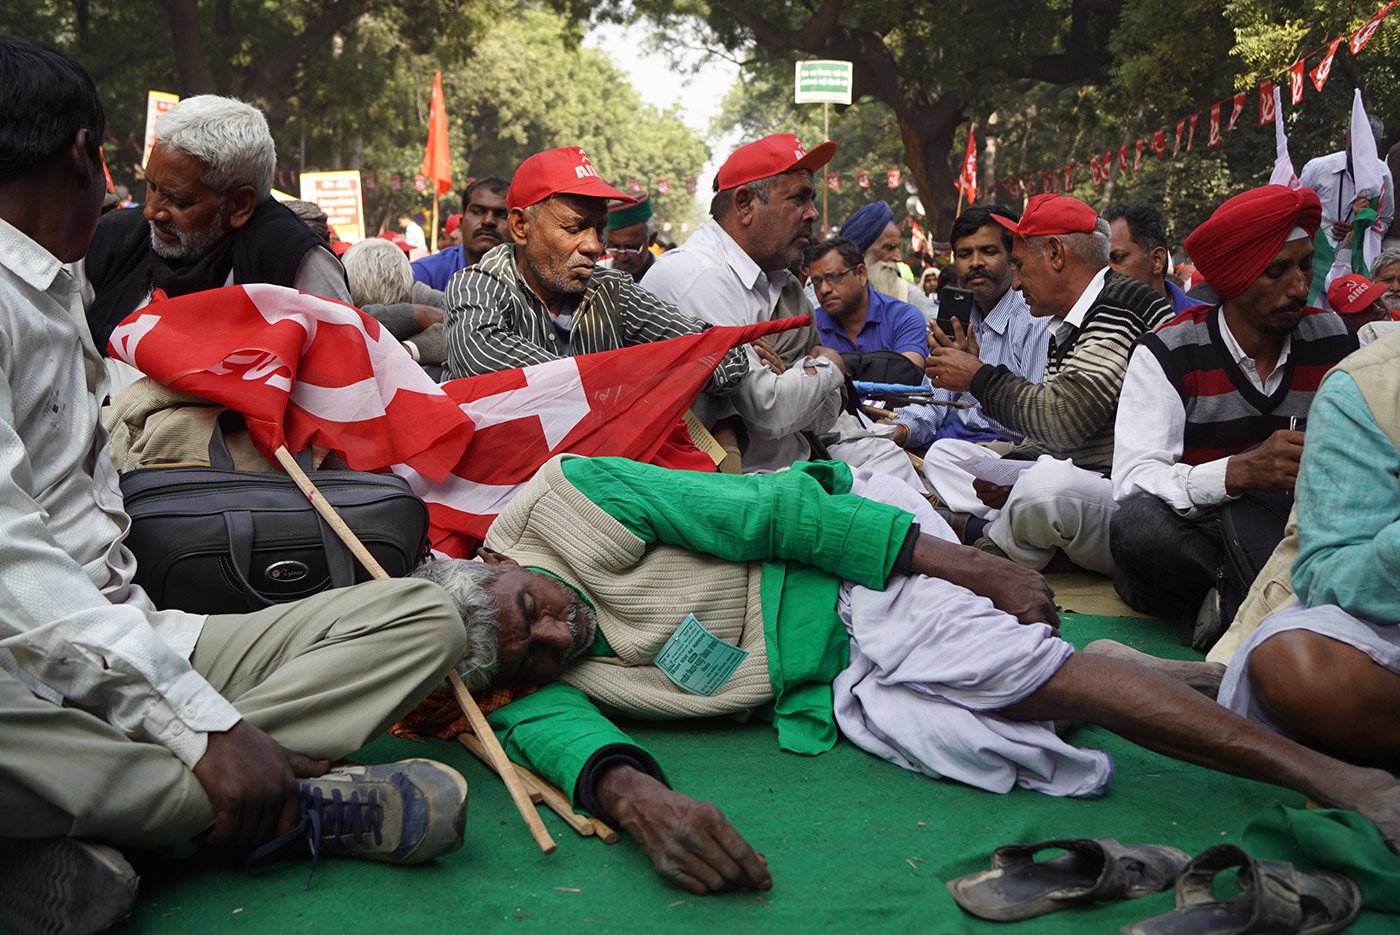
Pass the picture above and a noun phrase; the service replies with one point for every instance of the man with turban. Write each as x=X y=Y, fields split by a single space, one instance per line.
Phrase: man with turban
x=1214 y=402
x=874 y=230
x=631 y=236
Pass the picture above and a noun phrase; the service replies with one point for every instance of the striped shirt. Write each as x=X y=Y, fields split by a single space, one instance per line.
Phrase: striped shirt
x=1071 y=415
x=496 y=322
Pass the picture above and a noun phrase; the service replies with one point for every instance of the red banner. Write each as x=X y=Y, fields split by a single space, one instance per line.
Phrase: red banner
x=1123 y=158
x=863 y=179
x=1213 y=135
x=1159 y=142
x=690 y=186
x=1296 y=79
x=1191 y=135
x=967 y=176
x=1180 y=129
x=892 y=178
x=1137 y=155
x=1324 y=67
x=1069 y=176
x=1236 y=109
x=663 y=186
x=1363 y=35
x=1266 y=102
x=1094 y=178
x=833 y=181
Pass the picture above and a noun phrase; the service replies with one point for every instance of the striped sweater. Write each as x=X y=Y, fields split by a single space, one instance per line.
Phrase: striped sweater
x=496 y=322
x=1071 y=414
x=1225 y=413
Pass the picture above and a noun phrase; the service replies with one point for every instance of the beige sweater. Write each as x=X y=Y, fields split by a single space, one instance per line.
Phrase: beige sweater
x=640 y=594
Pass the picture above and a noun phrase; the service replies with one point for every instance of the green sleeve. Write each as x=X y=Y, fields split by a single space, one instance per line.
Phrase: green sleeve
x=556 y=731
x=1348 y=508
x=805 y=515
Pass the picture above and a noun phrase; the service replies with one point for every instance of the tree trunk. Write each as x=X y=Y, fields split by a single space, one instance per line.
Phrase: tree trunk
x=188 y=44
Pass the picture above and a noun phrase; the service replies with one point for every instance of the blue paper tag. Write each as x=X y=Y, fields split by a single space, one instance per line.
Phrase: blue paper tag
x=696 y=660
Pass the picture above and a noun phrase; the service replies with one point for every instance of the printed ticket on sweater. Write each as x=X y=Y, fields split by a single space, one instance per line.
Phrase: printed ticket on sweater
x=696 y=660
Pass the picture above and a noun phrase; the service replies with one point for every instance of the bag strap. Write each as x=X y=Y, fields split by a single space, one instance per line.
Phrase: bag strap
x=231 y=420
x=239 y=526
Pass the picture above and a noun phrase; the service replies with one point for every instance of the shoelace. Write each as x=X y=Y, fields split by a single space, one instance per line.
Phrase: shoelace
x=336 y=818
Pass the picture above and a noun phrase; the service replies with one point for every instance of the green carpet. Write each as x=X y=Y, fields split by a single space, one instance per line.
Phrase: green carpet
x=853 y=844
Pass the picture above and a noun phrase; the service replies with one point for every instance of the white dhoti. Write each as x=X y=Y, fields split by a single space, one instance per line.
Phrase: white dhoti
x=1381 y=643
x=930 y=665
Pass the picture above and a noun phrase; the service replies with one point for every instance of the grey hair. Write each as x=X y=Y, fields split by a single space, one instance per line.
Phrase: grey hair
x=1384 y=259
x=379 y=273
x=1090 y=247
x=230 y=137
x=310 y=214
x=468 y=584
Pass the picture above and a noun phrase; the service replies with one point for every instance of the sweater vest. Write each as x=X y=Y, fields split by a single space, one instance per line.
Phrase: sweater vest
x=1225 y=413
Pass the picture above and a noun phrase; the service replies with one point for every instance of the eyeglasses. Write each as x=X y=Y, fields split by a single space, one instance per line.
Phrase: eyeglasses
x=618 y=250
x=831 y=279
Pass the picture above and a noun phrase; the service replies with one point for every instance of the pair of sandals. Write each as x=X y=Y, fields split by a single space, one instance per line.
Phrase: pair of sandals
x=1275 y=897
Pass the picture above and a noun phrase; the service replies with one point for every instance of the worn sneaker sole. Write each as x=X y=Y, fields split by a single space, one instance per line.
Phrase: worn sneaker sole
x=59 y=886
x=433 y=818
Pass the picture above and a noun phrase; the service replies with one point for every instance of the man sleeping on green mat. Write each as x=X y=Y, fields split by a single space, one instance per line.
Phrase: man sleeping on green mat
x=821 y=598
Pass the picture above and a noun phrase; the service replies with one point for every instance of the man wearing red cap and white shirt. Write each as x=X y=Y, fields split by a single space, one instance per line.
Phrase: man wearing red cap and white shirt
x=1359 y=301
x=735 y=270
x=544 y=296
x=1213 y=404
x=1064 y=500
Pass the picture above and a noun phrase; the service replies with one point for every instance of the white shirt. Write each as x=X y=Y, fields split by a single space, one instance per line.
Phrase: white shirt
x=1149 y=436
x=1064 y=328
x=711 y=278
x=75 y=630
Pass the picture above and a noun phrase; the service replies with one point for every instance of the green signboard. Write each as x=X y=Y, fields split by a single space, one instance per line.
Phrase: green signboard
x=824 y=82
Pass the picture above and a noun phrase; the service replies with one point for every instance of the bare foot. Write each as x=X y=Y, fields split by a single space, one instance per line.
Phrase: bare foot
x=1203 y=676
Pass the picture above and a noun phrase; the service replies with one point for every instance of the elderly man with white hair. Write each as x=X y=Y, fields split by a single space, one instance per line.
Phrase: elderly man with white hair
x=209 y=220
x=382 y=286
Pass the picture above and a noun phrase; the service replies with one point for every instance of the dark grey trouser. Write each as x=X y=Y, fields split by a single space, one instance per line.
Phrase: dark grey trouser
x=1166 y=562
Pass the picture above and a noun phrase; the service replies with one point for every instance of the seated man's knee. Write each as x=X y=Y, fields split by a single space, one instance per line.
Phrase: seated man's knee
x=1289 y=672
x=423 y=613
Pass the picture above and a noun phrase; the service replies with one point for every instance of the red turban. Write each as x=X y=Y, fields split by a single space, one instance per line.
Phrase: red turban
x=1239 y=241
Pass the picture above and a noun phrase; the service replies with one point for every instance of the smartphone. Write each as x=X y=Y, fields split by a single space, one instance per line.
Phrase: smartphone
x=954 y=303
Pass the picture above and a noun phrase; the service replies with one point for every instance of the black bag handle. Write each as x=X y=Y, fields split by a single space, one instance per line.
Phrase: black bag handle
x=239 y=526
x=230 y=420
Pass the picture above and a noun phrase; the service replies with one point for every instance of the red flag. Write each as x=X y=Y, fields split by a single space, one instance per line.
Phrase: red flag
x=110 y=187
x=371 y=183
x=1094 y=176
x=1123 y=158
x=396 y=182
x=302 y=370
x=1296 y=80
x=690 y=186
x=1069 y=176
x=1266 y=102
x=833 y=181
x=1213 y=137
x=437 y=158
x=623 y=403
x=663 y=186
x=892 y=177
x=309 y=371
x=1180 y=129
x=1191 y=135
x=1324 y=67
x=1137 y=155
x=863 y=179
x=1047 y=181
x=1236 y=109
x=967 y=178
x=916 y=237
x=1363 y=35
x=1159 y=142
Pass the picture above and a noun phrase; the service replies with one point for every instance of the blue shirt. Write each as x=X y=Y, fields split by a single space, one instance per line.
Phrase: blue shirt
x=1180 y=300
x=890 y=325
x=1010 y=335
x=436 y=269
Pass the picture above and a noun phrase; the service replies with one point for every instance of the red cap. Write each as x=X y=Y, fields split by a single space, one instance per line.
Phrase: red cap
x=454 y=221
x=1052 y=214
x=397 y=239
x=563 y=171
x=1353 y=293
x=772 y=155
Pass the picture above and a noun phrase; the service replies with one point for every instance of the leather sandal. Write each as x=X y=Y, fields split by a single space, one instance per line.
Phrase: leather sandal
x=1277 y=898
x=1092 y=870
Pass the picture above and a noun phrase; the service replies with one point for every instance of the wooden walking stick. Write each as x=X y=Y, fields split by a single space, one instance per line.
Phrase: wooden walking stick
x=504 y=768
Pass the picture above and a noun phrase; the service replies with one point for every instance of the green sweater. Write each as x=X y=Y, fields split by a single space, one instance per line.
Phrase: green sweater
x=806 y=531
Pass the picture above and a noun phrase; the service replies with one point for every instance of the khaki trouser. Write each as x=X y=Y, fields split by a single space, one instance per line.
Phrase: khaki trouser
x=322 y=676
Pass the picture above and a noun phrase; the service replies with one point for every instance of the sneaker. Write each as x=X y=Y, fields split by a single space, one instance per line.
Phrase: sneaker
x=59 y=886
x=406 y=813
